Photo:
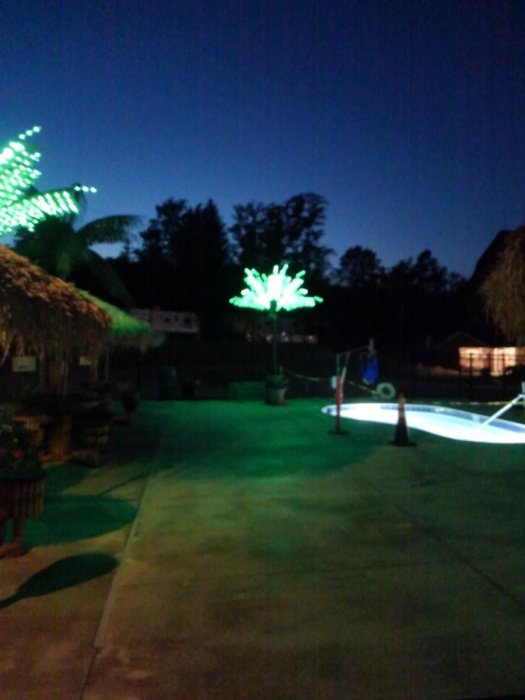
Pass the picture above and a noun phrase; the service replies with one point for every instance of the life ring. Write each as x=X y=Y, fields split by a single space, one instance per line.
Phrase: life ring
x=385 y=391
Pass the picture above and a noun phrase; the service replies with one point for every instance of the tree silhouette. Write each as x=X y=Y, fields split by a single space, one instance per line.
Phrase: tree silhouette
x=185 y=254
x=290 y=232
x=359 y=267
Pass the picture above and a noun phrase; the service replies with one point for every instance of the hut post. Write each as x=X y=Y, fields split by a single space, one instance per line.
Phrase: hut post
x=66 y=364
x=93 y=366
x=55 y=376
x=106 y=365
x=42 y=360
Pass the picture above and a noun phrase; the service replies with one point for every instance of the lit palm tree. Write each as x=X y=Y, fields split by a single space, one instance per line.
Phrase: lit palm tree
x=274 y=293
x=21 y=204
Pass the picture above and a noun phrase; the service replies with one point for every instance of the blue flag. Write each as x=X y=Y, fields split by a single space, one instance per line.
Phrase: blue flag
x=371 y=370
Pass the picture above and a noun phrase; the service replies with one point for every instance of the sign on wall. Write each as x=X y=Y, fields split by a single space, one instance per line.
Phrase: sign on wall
x=23 y=363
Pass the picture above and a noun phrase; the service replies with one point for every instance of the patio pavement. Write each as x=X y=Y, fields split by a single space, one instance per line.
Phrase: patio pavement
x=232 y=551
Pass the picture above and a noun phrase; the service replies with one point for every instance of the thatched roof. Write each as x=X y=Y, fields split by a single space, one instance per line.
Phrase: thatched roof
x=126 y=330
x=41 y=313
x=503 y=289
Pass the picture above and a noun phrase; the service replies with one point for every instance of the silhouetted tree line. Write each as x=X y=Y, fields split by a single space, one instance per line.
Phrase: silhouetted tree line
x=187 y=259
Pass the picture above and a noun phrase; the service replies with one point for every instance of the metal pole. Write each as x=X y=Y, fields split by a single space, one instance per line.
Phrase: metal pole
x=519 y=397
x=339 y=388
x=274 y=343
x=338 y=401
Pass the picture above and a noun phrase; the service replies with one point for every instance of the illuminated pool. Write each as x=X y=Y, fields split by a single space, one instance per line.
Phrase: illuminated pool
x=447 y=422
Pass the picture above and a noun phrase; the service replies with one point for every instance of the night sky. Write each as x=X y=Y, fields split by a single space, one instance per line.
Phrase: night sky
x=407 y=115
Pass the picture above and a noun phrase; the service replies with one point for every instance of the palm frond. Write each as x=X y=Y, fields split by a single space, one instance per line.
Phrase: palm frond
x=108 y=279
x=109 y=229
x=53 y=245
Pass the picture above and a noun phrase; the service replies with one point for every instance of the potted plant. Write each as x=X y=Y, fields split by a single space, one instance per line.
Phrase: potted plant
x=54 y=415
x=22 y=481
x=130 y=401
x=92 y=422
x=276 y=385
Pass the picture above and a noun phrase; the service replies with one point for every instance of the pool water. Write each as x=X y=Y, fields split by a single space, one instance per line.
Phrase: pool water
x=446 y=422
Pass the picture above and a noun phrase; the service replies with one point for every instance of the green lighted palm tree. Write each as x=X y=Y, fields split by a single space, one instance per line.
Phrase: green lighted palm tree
x=21 y=204
x=274 y=293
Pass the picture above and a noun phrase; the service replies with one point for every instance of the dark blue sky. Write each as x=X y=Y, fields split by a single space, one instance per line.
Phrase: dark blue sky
x=407 y=115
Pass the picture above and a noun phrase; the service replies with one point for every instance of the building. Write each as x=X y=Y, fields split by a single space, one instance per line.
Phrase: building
x=184 y=322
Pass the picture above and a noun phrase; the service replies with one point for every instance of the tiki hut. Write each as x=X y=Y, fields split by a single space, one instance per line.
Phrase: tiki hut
x=44 y=316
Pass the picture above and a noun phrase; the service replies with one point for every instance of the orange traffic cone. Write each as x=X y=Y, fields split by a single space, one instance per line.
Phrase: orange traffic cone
x=401 y=432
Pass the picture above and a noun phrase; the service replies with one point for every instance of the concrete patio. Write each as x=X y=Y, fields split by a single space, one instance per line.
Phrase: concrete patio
x=232 y=551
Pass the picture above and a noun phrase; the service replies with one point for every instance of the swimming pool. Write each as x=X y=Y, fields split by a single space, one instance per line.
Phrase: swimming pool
x=446 y=422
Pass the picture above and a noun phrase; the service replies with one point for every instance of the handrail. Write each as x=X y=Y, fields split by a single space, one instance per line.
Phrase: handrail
x=517 y=399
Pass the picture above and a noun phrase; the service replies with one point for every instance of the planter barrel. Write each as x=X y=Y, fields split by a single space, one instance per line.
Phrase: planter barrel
x=275 y=395
x=21 y=498
x=60 y=438
x=168 y=383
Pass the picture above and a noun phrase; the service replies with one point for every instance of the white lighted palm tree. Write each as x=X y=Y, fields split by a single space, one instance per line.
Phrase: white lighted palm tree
x=273 y=293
